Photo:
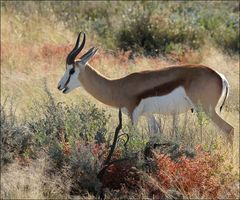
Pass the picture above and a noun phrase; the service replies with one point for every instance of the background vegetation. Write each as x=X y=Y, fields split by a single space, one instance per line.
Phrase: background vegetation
x=53 y=145
x=145 y=27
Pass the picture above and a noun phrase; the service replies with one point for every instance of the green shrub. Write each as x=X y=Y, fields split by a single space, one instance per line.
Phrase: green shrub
x=151 y=36
x=228 y=38
x=56 y=124
x=16 y=138
x=175 y=27
x=145 y=27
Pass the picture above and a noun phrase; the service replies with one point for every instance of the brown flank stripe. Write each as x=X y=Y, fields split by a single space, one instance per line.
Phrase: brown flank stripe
x=160 y=90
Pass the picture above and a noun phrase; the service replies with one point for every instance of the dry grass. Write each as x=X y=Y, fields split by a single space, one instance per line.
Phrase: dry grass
x=29 y=181
x=30 y=54
x=32 y=179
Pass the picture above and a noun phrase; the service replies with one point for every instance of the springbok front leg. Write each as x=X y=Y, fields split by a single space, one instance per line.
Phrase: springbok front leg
x=153 y=125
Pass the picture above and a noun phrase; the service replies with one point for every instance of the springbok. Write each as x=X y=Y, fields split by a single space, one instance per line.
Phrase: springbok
x=171 y=90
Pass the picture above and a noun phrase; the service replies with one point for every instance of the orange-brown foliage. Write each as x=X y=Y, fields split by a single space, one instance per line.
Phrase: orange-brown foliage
x=121 y=174
x=189 y=175
x=56 y=51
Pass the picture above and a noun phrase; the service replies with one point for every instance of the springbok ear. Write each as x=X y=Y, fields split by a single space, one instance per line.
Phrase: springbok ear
x=87 y=56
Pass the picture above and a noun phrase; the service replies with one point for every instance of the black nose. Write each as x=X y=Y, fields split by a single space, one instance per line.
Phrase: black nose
x=59 y=87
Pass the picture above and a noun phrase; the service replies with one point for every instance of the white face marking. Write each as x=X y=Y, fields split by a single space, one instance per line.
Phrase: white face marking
x=69 y=81
x=173 y=103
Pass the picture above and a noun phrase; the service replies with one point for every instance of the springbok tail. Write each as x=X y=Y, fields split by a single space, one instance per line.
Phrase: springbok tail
x=226 y=89
x=224 y=94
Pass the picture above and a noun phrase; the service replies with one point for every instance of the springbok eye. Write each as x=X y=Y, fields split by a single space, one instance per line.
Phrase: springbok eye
x=71 y=71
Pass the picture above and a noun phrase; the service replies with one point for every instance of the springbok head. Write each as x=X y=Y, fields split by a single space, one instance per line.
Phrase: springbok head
x=70 y=79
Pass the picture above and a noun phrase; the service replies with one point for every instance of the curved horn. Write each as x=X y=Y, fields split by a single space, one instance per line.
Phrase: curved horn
x=76 y=46
x=76 y=50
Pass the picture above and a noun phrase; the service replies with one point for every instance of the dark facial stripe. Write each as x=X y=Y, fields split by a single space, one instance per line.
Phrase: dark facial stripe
x=160 y=90
x=71 y=72
x=67 y=81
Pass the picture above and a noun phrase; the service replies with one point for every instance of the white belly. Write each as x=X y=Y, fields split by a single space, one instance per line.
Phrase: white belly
x=173 y=103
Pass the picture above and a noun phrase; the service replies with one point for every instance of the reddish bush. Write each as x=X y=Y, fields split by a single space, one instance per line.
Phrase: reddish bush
x=56 y=51
x=201 y=176
x=122 y=174
x=189 y=175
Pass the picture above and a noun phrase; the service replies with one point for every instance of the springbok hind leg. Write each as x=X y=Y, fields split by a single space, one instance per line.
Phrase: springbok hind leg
x=153 y=125
x=224 y=126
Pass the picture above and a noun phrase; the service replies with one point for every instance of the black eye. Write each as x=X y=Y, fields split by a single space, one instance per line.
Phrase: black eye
x=71 y=71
